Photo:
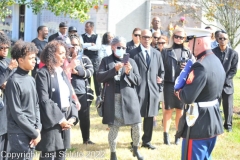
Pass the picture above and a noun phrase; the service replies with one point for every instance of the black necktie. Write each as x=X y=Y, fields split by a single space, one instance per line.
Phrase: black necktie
x=222 y=56
x=147 y=58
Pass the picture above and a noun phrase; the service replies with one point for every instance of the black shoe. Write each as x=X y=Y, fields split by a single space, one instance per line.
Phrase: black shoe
x=88 y=142
x=149 y=146
x=136 y=153
x=166 y=138
x=229 y=130
x=113 y=156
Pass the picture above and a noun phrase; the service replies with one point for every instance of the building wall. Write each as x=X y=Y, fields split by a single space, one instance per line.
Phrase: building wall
x=125 y=15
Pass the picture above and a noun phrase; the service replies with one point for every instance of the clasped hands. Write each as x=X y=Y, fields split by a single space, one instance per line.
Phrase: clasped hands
x=67 y=124
x=127 y=66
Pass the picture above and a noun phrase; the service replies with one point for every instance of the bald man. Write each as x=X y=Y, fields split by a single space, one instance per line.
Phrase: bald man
x=155 y=36
x=150 y=66
x=201 y=124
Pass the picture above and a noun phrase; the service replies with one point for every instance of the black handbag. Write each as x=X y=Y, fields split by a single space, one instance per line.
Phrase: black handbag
x=100 y=102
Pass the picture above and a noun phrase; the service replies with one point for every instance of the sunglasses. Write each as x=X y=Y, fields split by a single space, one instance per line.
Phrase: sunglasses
x=162 y=43
x=156 y=37
x=3 y=48
x=74 y=45
x=121 y=48
x=222 y=39
x=178 y=37
x=137 y=35
x=146 y=37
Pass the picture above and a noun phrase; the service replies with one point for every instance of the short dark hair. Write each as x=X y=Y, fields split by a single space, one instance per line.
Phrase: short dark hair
x=90 y=23
x=21 y=49
x=48 y=54
x=136 y=29
x=216 y=33
x=4 y=39
x=40 y=28
x=208 y=27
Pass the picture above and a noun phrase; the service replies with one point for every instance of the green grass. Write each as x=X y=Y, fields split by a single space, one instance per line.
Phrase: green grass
x=227 y=146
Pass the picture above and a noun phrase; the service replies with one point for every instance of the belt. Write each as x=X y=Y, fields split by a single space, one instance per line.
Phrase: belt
x=207 y=104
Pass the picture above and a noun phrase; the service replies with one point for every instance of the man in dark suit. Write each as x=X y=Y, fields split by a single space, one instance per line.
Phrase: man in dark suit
x=229 y=59
x=63 y=31
x=150 y=65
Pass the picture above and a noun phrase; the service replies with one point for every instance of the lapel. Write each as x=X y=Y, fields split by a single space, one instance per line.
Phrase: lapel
x=152 y=56
x=140 y=54
x=172 y=54
x=55 y=93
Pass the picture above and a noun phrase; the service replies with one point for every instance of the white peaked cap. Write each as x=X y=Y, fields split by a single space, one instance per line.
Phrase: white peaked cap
x=198 y=32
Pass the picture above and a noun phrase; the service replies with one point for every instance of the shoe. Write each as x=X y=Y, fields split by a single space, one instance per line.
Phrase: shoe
x=149 y=146
x=229 y=130
x=136 y=153
x=88 y=142
x=166 y=138
x=113 y=156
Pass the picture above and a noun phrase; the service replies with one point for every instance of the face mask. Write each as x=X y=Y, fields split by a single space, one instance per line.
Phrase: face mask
x=120 y=52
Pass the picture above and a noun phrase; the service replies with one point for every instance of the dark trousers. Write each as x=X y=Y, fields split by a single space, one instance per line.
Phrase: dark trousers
x=147 y=129
x=227 y=103
x=97 y=85
x=19 y=146
x=55 y=155
x=4 y=147
x=84 y=116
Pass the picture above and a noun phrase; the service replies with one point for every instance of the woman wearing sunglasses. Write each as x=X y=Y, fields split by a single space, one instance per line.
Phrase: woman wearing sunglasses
x=175 y=57
x=162 y=43
x=134 y=43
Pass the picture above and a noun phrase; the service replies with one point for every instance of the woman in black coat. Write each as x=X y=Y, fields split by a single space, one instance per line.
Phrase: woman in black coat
x=57 y=110
x=121 y=105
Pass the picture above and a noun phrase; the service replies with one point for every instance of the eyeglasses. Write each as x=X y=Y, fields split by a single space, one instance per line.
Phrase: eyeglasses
x=121 y=48
x=146 y=37
x=178 y=37
x=222 y=39
x=156 y=37
x=3 y=48
x=162 y=43
x=137 y=35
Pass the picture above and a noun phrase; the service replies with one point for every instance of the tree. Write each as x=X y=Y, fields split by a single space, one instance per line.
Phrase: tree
x=76 y=9
x=224 y=12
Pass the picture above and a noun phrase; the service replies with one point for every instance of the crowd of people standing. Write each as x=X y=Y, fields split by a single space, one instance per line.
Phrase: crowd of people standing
x=37 y=112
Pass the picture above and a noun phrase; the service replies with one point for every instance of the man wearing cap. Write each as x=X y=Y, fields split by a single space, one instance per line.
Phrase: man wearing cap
x=229 y=59
x=62 y=32
x=40 y=44
x=72 y=30
x=91 y=43
x=201 y=121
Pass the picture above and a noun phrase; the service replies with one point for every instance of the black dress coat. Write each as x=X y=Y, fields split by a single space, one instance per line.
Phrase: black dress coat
x=230 y=65
x=52 y=136
x=130 y=45
x=130 y=103
x=149 y=90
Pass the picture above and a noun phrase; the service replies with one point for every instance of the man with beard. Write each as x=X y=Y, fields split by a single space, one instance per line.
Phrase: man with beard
x=40 y=44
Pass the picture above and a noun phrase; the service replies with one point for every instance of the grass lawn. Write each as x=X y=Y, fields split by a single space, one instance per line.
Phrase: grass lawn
x=227 y=147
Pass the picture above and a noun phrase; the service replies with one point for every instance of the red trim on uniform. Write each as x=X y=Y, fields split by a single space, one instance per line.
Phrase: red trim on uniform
x=189 y=149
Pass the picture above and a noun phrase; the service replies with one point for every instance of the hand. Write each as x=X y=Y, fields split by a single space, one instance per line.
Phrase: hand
x=159 y=80
x=13 y=64
x=65 y=125
x=128 y=68
x=4 y=85
x=74 y=63
x=183 y=65
x=78 y=105
x=93 y=44
x=118 y=66
x=35 y=141
x=74 y=71
x=71 y=121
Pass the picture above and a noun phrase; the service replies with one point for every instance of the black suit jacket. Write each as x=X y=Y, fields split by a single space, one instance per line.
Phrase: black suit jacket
x=53 y=36
x=230 y=64
x=149 y=90
x=130 y=45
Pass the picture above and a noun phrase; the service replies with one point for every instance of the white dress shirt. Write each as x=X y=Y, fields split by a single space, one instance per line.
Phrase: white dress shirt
x=144 y=51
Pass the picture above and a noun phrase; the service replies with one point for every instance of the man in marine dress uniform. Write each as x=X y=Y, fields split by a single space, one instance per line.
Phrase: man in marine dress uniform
x=202 y=89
